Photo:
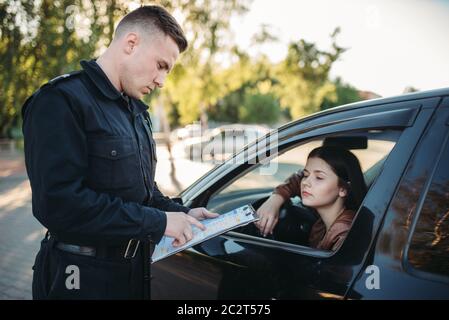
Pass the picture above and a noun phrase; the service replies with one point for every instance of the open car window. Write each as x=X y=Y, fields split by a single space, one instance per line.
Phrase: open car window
x=370 y=147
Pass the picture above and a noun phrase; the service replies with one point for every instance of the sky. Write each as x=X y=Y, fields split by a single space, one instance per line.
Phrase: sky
x=392 y=44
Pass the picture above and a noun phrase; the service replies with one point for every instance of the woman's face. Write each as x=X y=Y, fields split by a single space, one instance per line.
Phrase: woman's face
x=319 y=186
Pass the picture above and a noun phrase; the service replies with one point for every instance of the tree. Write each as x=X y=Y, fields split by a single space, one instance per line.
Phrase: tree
x=304 y=76
x=344 y=94
x=194 y=86
x=243 y=79
x=259 y=108
x=40 y=40
x=410 y=89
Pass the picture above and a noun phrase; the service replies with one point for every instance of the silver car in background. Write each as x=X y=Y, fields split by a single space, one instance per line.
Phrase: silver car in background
x=219 y=143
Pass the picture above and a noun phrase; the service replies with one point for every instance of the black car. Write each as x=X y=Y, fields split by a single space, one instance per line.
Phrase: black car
x=398 y=245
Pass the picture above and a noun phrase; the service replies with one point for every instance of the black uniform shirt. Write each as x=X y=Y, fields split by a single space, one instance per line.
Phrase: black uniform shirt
x=91 y=160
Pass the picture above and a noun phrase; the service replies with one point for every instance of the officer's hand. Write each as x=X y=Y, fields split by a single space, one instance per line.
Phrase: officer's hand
x=179 y=226
x=202 y=213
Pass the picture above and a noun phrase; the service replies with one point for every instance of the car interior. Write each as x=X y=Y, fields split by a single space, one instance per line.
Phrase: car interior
x=296 y=220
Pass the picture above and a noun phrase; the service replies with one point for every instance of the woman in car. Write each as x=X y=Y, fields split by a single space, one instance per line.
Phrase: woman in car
x=332 y=184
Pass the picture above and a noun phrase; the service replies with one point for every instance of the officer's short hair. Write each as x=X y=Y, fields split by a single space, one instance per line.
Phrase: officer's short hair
x=151 y=18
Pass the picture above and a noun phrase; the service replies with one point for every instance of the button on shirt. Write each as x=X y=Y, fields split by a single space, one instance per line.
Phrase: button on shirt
x=91 y=160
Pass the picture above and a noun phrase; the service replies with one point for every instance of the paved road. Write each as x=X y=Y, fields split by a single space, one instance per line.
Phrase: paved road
x=20 y=232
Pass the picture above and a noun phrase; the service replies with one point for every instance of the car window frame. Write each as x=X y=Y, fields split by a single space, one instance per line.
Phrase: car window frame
x=410 y=116
x=391 y=115
x=305 y=250
x=408 y=266
x=293 y=146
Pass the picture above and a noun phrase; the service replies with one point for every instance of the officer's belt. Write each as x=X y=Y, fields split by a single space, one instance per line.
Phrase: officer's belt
x=127 y=251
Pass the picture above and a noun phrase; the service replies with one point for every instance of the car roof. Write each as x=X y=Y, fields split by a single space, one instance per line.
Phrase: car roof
x=365 y=104
x=375 y=102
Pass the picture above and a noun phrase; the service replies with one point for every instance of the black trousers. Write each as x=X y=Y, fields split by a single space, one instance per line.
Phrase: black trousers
x=62 y=275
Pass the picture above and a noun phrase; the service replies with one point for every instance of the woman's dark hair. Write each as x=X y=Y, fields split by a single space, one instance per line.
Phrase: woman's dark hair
x=347 y=167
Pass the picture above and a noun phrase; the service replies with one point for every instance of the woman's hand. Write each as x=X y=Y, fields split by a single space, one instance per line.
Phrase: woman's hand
x=269 y=214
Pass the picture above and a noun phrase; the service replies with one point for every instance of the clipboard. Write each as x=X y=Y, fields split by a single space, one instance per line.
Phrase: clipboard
x=225 y=222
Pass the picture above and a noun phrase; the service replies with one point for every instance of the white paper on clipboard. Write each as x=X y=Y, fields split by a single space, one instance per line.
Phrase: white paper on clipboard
x=214 y=227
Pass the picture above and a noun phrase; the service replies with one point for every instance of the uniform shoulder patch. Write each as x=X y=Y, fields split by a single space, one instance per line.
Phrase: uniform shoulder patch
x=59 y=79
x=64 y=76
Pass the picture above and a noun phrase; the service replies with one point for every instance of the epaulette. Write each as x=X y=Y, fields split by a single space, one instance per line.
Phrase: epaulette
x=64 y=76
x=51 y=82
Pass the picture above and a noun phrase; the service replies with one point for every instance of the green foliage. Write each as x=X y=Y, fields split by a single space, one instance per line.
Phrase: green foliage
x=240 y=82
x=40 y=40
x=344 y=94
x=259 y=108
x=227 y=109
x=303 y=76
x=195 y=85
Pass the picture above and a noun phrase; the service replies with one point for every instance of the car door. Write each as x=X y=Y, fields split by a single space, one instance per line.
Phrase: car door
x=238 y=265
x=411 y=251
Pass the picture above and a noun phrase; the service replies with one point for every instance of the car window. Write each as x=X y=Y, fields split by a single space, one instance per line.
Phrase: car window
x=379 y=146
x=254 y=187
x=221 y=143
x=429 y=247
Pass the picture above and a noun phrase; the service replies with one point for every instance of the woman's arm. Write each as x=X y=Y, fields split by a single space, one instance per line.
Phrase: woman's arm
x=269 y=210
x=290 y=188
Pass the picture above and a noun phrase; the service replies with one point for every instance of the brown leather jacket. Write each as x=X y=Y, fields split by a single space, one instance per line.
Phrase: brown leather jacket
x=334 y=237
x=319 y=238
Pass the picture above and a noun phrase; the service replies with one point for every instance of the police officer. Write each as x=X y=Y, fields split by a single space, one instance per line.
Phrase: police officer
x=91 y=159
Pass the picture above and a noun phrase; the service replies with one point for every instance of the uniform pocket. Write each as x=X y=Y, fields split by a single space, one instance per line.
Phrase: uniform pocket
x=113 y=163
x=81 y=277
x=40 y=268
